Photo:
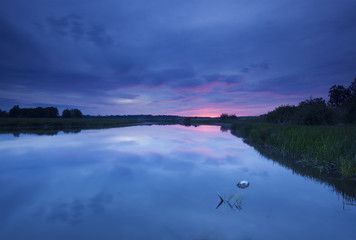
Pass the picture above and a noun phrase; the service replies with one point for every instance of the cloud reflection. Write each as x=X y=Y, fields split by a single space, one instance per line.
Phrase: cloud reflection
x=157 y=188
x=76 y=211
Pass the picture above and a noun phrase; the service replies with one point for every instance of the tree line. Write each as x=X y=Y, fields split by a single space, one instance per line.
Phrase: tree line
x=40 y=112
x=226 y=116
x=340 y=108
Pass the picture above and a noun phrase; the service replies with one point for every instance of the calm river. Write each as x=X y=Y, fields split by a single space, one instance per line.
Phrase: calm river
x=158 y=182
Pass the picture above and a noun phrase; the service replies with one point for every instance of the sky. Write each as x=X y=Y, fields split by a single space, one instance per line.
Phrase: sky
x=174 y=57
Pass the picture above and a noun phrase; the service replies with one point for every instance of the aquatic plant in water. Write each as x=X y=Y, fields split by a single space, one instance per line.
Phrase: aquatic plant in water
x=236 y=204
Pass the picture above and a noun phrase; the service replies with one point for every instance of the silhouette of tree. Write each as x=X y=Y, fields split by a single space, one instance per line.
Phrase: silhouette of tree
x=350 y=115
x=351 y=110
x=352 y=88
x=15 y=111
x=3 y=113
x=52 y=112
x=38 y=112
x=72 y=113
x=282 y=114
x=66 y=113
x=314 y=111
x=225 y=116
x=338 y=96
x=76 y=113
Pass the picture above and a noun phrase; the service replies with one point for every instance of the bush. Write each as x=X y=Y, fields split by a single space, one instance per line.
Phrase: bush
x=282 y=114
x=225 y=116
x=350 y=116
x=313 y=111
x=72 y=113
x=3 y=113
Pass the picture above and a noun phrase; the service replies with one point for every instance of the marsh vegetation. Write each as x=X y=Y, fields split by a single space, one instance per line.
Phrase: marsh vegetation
x=329 y=149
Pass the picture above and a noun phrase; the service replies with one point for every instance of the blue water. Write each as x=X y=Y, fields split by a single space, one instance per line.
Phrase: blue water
x=158 y=182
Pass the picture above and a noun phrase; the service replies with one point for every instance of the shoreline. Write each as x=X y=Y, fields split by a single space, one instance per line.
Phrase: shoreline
x=329 y=149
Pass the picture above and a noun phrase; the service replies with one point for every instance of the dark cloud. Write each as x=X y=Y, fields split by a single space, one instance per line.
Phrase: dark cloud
x=60 y=25
x=74 y=27
x=19 y=53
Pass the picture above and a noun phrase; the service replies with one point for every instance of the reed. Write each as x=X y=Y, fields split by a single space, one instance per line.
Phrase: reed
x=331 y=149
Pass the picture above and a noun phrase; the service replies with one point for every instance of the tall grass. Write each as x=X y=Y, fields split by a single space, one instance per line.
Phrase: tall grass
x=331 y=149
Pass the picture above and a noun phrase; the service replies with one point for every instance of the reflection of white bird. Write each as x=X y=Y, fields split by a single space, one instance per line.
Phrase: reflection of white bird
x=243 y=184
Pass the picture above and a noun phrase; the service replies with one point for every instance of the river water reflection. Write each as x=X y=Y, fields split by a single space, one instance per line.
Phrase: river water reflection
x=158 y=182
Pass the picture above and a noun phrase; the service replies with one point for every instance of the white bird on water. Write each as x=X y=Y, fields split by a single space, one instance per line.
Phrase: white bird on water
x=243 y=184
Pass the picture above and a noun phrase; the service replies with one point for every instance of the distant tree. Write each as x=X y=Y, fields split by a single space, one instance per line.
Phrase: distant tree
x=76 y=113
x=52 y=112
x=352 y=88
x=66 y=113
x=15 y=111
x=233 y=116
x=338 y=96
x=282 y=114
x=341 y=107
x=3 y=113
x=225 y=116
x=38 y=112
x=350 y=115
x=72 y=113
x=314 y=111
x=312 y=102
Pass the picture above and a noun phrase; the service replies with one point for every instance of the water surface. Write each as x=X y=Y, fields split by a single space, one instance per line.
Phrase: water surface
x=158 y=182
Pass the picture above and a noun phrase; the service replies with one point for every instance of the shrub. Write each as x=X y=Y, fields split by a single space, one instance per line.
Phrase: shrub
x=282 y=114
x=3 y=113
x=72 y=113
x=225 y=116
x=314 y=111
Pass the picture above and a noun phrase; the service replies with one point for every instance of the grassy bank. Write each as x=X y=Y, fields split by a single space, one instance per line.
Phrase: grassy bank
x=330 y=149
x=8 y=123
x=98 y=122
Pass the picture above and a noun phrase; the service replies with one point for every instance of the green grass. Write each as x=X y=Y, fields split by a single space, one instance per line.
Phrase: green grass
x=330 y=149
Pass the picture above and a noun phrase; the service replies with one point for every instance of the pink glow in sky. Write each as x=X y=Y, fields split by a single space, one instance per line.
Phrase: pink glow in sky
x=195 y=58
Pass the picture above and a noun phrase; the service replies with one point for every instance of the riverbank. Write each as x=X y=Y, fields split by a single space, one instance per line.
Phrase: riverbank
x=328 y=149
x=19 y=125
x=58 y=123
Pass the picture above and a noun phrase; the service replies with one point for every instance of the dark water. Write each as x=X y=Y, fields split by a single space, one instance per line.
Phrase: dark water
x=158 y=182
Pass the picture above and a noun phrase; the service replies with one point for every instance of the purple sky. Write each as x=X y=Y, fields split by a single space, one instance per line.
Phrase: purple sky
x=181 y=57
